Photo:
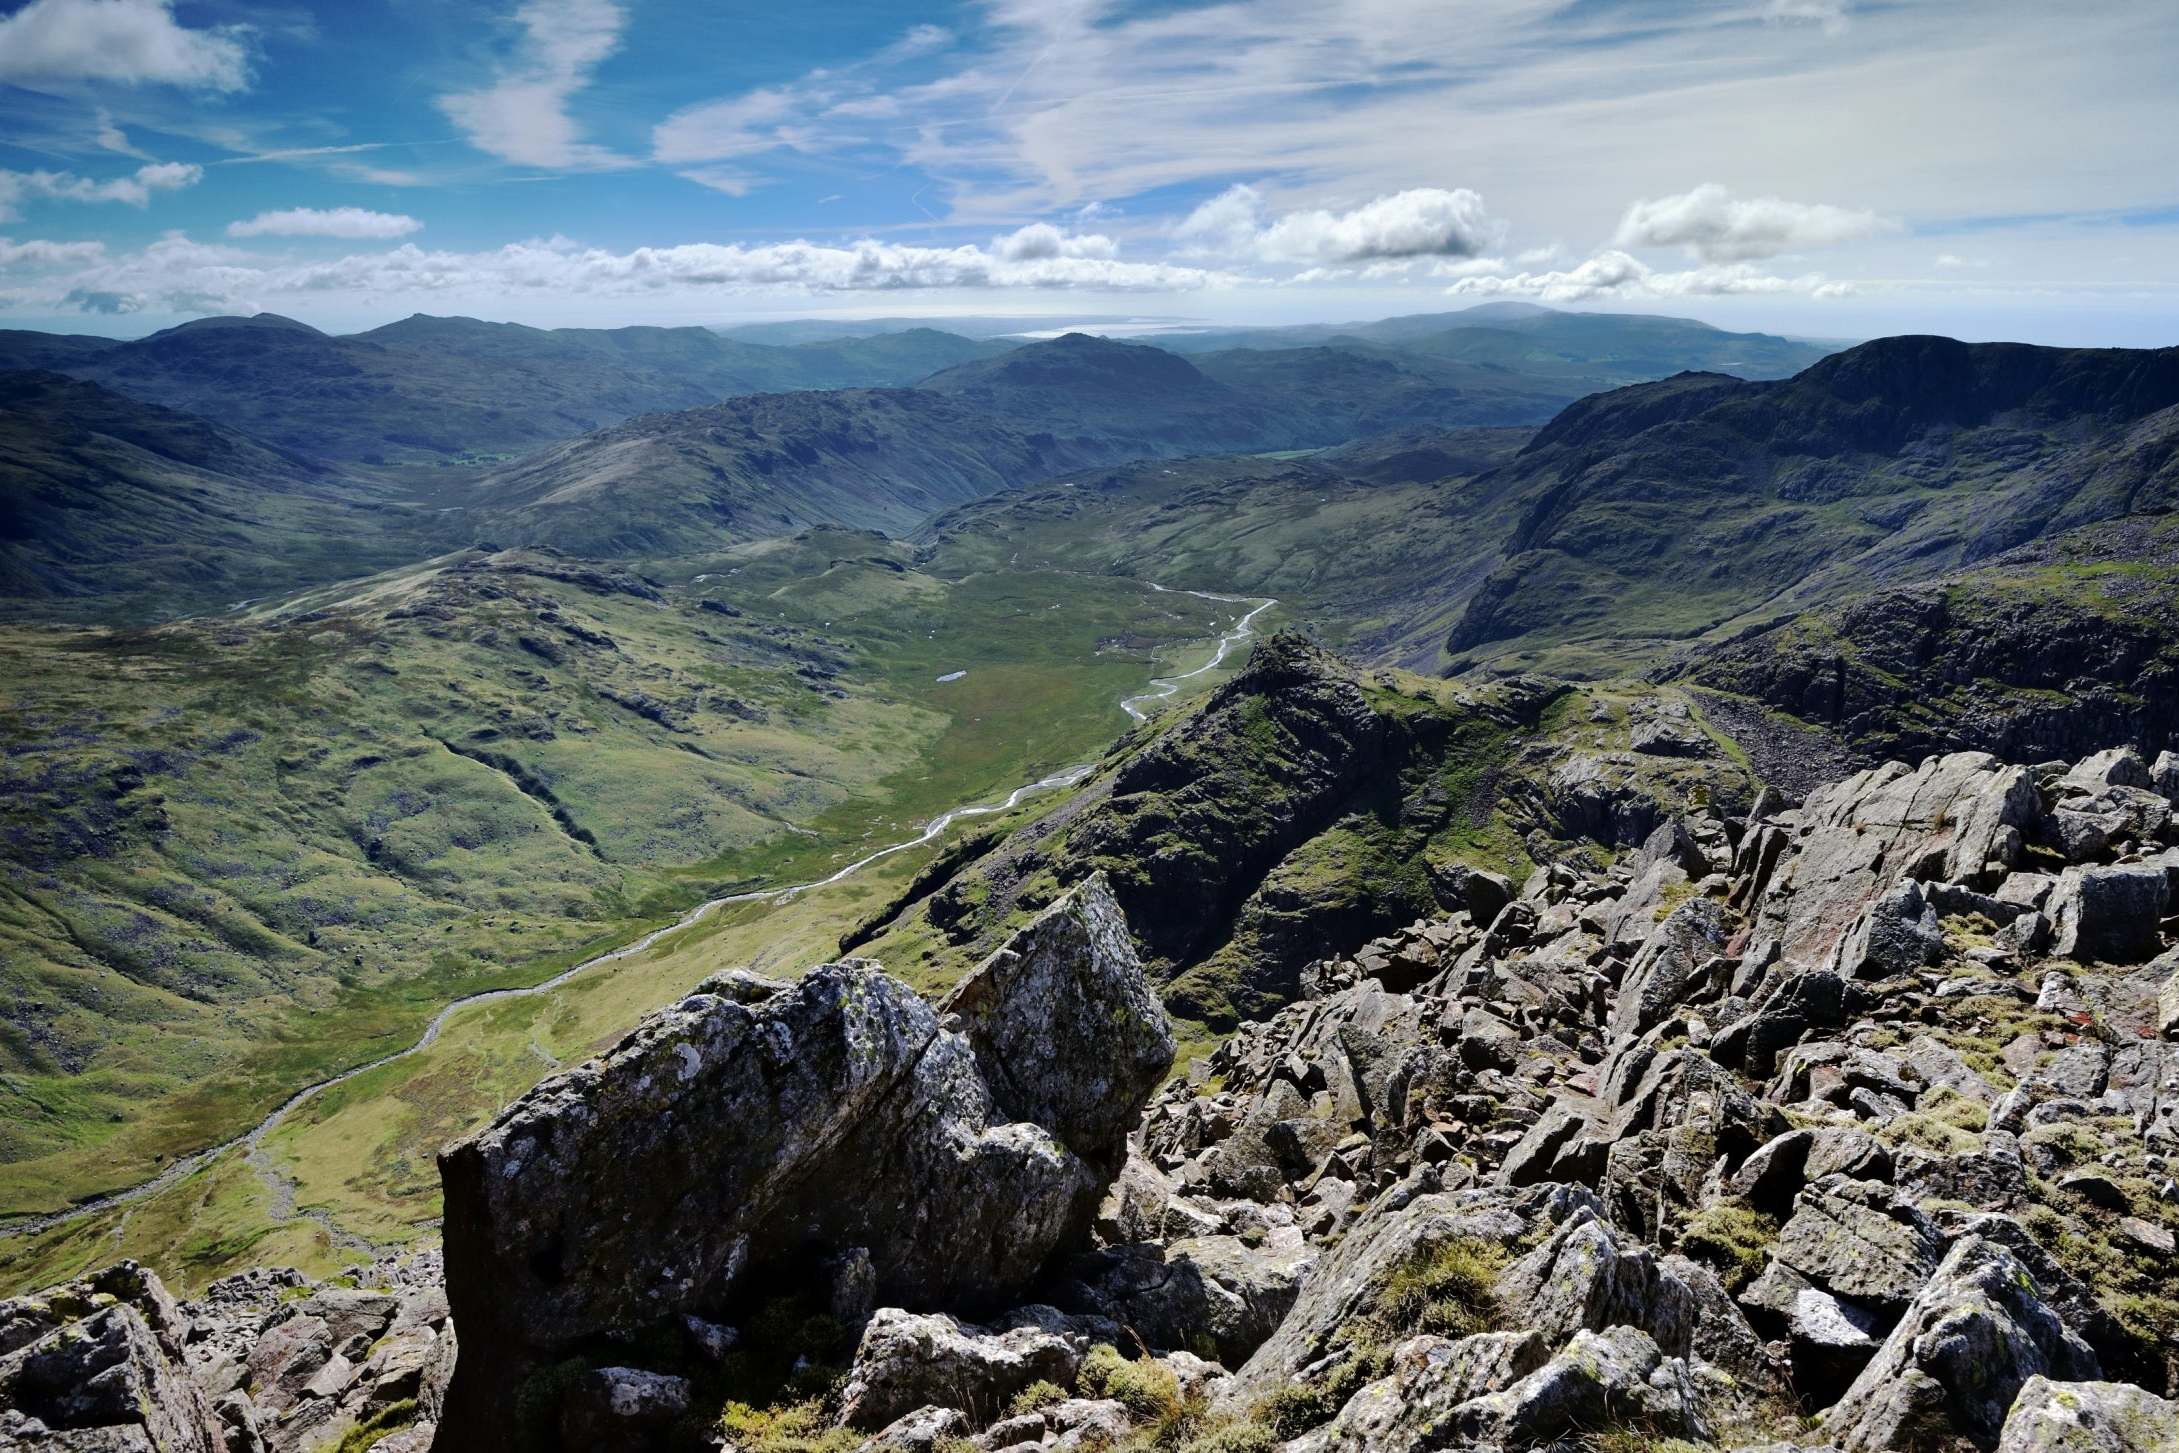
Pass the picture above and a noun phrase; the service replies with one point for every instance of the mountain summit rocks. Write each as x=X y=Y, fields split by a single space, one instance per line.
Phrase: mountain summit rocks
x=752 y=1133
x=1847 y=1127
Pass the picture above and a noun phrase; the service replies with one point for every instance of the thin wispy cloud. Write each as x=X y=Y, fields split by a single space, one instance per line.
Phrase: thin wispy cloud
x=523 y=116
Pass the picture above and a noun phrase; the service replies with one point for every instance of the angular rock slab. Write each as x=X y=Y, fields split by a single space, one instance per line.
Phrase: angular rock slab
x=1953 y=1366
x=722 y=1145
x=2089 y=1417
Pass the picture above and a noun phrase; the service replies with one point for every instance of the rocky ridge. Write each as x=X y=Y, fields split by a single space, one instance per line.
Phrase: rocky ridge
x=1848 y=1125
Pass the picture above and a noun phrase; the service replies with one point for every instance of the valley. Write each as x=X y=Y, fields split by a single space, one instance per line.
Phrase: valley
x=350 y=797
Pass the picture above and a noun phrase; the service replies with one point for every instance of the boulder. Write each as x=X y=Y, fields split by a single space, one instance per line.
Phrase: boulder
x=923 y=1431
x=1971 y=1339
x=621 y=1407
x=1600 y=1379
x=1431 y=1376
x=1586 y=1275
x=1854 y=1239
x=1775 y=1174
x=99 y=1364
x=1345 y=1277
x=1669 y=965
x=1217 y=1288
x=1898 y=934
x=2088 y=1417
x=2109 y=915
x=1945 y=820
x=720 y=1142
x=908 y=1361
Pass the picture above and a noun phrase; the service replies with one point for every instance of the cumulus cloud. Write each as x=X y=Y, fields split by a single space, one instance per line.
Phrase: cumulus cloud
x=39 y=253
x=1615 y=274
x=1041 y=240
x=522 y=117
x=129 y=41
x=135 y=190
x=352 y=222
x=1419 y=222
x=1715 y=226
x=176 y=274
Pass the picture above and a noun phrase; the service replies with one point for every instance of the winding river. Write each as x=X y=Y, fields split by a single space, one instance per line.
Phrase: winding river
x=1162 y=688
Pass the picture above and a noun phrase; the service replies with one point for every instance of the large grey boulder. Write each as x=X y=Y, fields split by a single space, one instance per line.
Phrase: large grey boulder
x=1340 y=1286
x=1586 y=1275
x=723 y=1141
x=908 y=1361
x=1857 y=1240
x=1218 y=1289
x=2089 y=1417
x=1669 y=965
x=1967 y=1345
x=1431 y=1376
x=99 y=1364
x=1601 y=1379
x=2109 y=915
x=1066 y=1029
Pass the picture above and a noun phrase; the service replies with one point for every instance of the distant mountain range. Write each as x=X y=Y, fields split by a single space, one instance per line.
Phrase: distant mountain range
x=434 y=390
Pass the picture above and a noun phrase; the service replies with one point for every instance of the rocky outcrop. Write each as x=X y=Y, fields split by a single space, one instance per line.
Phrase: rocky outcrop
x=724 y=1145
x=100 y=1363
x=1848 y=1125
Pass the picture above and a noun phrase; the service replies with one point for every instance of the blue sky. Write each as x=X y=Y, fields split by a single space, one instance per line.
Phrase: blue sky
x=1834 y=167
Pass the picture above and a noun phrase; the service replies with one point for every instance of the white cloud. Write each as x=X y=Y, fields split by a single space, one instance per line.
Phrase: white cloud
x=352 y=222
x=1419 y=222
x=1715 y=226
x=1041 y=240
x=129 y=41
x=176 y=274
x=823 y=110
x=135 y=190
x=522 y=117
x=1615 y=274
x=111 y=137
x=38 y=253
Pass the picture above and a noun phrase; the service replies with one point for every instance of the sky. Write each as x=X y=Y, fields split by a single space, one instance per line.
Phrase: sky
x=1828 y=168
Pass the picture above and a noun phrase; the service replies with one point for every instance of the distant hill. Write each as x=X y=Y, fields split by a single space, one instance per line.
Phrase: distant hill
x=434 y=388
x=114 y=509
x=1124 y=395
x=669 y=484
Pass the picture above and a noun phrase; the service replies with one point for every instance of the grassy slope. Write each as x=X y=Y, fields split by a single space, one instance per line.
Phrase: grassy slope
x=115 y=510
x=1377 y=565
x=246 y=853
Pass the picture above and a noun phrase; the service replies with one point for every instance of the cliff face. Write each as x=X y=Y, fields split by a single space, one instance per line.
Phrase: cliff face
x=2051 y=650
